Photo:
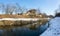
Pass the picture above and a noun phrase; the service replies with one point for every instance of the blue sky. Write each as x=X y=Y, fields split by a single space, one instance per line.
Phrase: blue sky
x=46 y=6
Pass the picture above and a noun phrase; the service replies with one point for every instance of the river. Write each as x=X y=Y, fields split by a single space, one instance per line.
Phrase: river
x=22 y=31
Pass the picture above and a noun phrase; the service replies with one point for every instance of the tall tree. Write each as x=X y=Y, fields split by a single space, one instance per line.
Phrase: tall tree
x=12 y=8
x=57 y=11
x=20 y=9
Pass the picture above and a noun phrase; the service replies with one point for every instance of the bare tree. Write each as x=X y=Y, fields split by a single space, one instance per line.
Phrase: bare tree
x=11 y=8
x=8 y=9
x=38 y=11
x=2 y=7
x=58 y=9
x=20 y=9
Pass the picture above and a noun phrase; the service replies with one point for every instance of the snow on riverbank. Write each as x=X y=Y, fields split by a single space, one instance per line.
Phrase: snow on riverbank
x=25 y=19
x=54 y=28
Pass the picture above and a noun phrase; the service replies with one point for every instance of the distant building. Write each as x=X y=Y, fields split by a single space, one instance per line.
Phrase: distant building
x=31 y=12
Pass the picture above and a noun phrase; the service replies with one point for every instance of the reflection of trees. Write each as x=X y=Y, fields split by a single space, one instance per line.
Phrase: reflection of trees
x=7 y=23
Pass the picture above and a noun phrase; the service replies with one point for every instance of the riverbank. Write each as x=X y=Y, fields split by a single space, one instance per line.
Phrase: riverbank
x=16 y=21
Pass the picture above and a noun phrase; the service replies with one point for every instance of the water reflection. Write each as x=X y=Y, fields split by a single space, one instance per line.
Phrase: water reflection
x=22 y=31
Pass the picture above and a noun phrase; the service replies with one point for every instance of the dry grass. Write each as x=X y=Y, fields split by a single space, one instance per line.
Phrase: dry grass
x=16 y=16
